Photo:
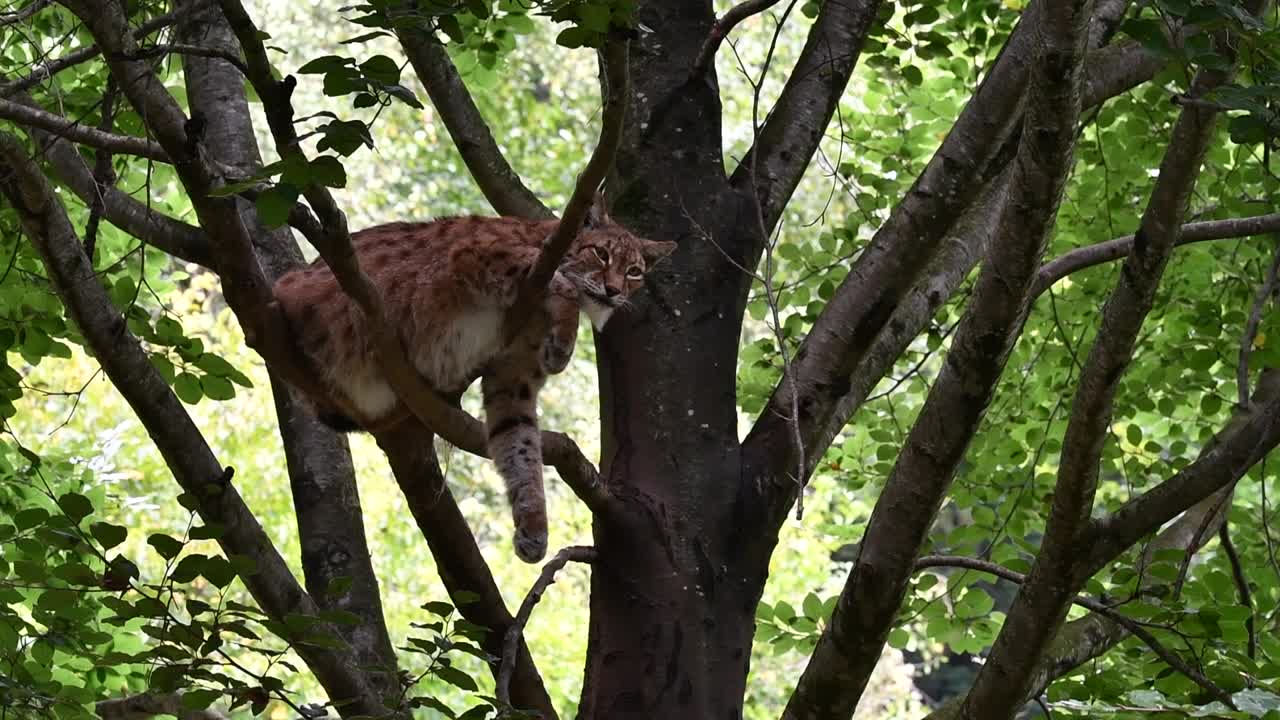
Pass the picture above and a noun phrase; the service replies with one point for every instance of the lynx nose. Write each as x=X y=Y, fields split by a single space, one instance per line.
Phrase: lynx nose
x=612 y=291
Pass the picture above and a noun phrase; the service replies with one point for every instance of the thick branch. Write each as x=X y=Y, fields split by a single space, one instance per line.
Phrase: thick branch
x=1041 y=605
x=511 y=644
x=149 y=705
x=1080 y=258
x=795 y=126
x=850 y=647
x=494 y=176
x=137 y=218
x=331 y=528
x=161 y=413
x=17 y=16
x=721 y=28
x=1249 y=436
x=462 y=567
x=84 y=134
x=617 y=97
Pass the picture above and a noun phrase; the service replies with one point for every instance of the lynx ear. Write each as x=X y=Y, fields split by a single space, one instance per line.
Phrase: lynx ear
x=655 y=251
x=597 y=214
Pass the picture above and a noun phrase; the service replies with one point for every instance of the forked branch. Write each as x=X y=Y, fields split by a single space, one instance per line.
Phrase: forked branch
x=721 y=28
x=573 y=553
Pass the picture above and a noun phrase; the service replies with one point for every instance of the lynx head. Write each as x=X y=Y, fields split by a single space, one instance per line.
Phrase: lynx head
x=608 y=263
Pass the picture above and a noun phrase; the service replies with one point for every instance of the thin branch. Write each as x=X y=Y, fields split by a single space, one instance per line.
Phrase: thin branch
x=148 y=705
x=1088 y=256
x=1242 y=585
x=179 y=441
x=104 y=175
x=1264 y=296
x=1170 y=658
x=721 y=28
x=18 y=16
x=460 y=563
x=798 y=120
x=617 y=97
x=71 y=59
x=470 y=133
x=154 y=51
x=573 y=553
x=84 y=134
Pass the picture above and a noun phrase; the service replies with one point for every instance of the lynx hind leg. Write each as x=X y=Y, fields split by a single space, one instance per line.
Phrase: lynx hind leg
x=510 y=392
x=557 y=347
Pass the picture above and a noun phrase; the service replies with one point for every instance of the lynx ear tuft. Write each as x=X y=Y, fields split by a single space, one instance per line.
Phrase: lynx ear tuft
x=597 y=214
x=655 y=251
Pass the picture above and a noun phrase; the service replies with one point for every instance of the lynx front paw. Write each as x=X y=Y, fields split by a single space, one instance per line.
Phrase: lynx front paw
x=530 y=547
x=555 y=358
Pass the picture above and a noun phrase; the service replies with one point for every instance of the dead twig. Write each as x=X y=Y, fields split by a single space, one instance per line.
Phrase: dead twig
x=511 y=643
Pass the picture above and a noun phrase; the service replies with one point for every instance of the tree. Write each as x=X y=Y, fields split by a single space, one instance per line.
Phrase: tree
x=687 y=513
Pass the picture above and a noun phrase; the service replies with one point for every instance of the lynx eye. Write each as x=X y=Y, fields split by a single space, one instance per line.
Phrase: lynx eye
x=601 y=253
x=635 y=273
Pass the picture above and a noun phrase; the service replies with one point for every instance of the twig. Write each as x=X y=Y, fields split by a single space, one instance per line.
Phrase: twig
x=154 y=51
x=617 y=92
x=1135 y=629
x=721 y=28
x=18 y=16
x=1090 y=255
x=103 y=174
x=1242 y=583
x=511 y=643
x=62 y=127
x=53 y=67
x=1251 y=326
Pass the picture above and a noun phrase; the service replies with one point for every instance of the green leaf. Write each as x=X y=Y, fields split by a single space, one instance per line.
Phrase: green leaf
x=325 y=64
x=31 y=517
x=168 y=547
x=456 y=677
x=275 y=203
x=327 y=170
x=216 y=388
x=381 y=69
x=108 y=535
x=76 y=506
x=187 y=387
x=813 y=607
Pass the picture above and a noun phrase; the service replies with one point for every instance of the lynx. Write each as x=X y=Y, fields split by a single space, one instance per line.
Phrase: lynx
x=446 y=285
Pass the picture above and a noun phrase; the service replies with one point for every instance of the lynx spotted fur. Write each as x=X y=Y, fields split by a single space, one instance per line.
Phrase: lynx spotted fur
x=446 y=284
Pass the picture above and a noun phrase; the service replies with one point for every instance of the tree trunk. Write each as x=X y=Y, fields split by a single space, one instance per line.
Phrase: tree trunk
x=672 y=607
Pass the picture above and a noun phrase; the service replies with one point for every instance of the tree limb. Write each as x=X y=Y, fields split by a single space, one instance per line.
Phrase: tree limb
x=617 y=97
x=796 y=123
x=1246 y=439
x=331 y=528
x=574 y=553
x=1089 y=637
x=1084 y=257
x=494 y=176
x=148 y=705
x=850 y=646
x=721 y=28
x=85 y=134
x=458 y=559
x=17 y=16
x=1041 y=605
x=161 y=413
